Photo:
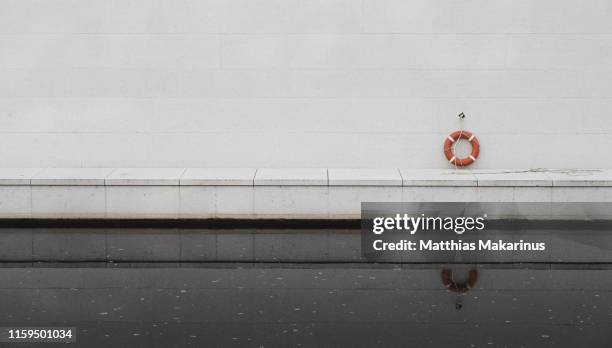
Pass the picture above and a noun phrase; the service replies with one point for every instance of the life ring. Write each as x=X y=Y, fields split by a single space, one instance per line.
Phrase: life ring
x=448 y=148
x=452 y=285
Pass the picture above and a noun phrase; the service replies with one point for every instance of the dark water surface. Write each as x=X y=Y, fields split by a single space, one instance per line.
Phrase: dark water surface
x=283 y=245
x=312 y=305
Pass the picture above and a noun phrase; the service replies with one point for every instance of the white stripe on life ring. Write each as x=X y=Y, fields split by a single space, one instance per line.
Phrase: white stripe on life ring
x=473 y=158
x=451 y=139
x=452 y=159
x=472 y=137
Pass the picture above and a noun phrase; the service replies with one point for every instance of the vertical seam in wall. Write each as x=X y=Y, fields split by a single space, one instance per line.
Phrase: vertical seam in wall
x=550 y=195
x=215 y=212
x=181 y=176
x=401 y=185
x=252 y=196
x=106 y=192
x=105 y=200
x=31 y=208
x=551 y=187
x=180 y=198
x=327 y=201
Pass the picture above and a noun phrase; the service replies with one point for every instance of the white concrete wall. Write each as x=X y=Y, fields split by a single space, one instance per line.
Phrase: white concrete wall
x=304 y=83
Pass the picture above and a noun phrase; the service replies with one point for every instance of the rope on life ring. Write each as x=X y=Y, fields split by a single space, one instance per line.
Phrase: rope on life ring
x=449 y=150
x=452 y=285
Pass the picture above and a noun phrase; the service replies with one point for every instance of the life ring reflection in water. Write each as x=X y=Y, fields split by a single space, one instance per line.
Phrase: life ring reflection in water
x=459 y=287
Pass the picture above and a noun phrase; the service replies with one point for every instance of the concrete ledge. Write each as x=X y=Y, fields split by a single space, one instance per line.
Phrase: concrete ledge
x=145 y=177
x=435 y=177
x=364 y=177
x=71 y=177
x=218 y=177
x=17 y=176
x=291 y=177
x=249 y=193
x=304 y=177
x=509 y=177
x=592 y=178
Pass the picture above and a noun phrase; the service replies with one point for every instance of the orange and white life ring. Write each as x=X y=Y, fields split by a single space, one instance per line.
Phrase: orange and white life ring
x=452 y=285
x=448 y=148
